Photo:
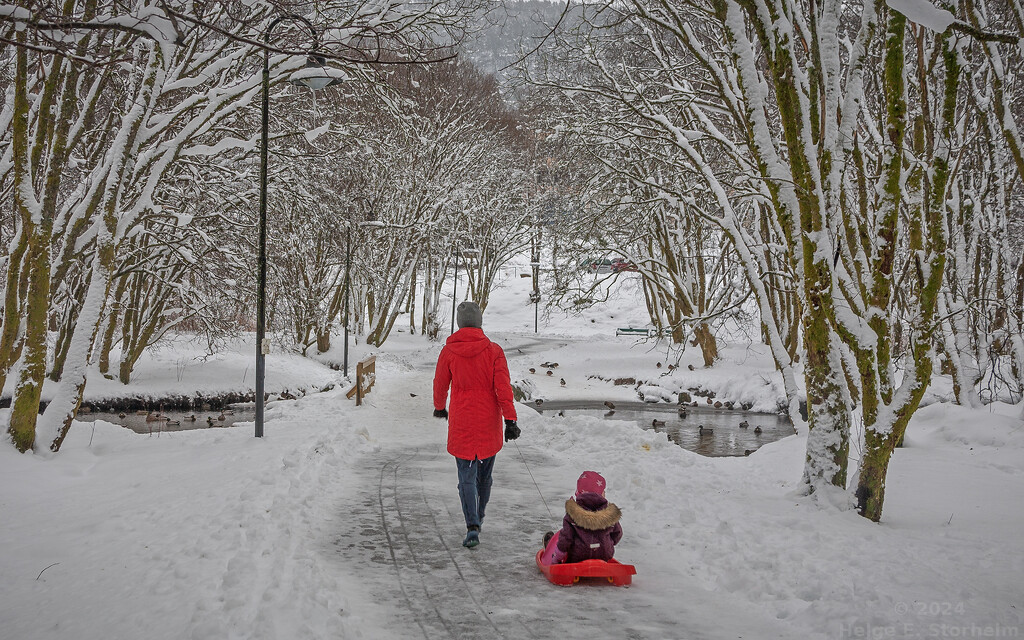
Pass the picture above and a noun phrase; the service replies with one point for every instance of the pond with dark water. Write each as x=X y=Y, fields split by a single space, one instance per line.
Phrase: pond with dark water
x=146 y=422
x=723 y=434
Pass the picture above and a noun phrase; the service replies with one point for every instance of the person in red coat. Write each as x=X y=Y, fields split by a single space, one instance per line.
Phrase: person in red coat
x=476 y=370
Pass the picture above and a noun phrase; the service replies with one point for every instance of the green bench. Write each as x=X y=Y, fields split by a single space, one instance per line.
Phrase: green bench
x=647 y=333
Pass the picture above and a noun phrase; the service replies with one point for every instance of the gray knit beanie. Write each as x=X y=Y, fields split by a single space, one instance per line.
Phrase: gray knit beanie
x=469 y=315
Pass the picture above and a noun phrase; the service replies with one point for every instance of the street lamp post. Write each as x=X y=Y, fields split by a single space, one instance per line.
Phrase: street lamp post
x=313 y=82
x=347 y=288
x=455 y=287
x=535 y=243
x=535 y=299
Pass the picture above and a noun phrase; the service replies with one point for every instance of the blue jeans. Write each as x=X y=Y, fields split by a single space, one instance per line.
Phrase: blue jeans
x=474 y=488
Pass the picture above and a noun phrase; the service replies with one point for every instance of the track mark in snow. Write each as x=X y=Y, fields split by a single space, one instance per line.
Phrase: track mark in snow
x=475 y=562
x=455 y=563
x=404 y=526
x=443 y=599
x=391 y=550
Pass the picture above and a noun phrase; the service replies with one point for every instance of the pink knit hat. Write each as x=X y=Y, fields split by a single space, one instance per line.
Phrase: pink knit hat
x=590 y=481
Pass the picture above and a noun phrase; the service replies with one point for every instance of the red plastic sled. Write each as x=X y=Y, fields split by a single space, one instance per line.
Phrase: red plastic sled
x=567 y=574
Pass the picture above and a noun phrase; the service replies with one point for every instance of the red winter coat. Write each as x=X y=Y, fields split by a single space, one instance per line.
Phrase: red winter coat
x=476 y=369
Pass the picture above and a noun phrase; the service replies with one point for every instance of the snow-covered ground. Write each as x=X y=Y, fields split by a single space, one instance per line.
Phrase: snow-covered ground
x=344 y=521
x=182 y=367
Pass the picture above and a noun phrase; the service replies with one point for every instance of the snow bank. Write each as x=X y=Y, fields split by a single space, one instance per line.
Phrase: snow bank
x=181 y=367
x=997 y=426
x=201 y=534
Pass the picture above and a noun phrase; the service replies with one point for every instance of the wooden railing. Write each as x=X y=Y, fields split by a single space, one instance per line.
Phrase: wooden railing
x=366 y=375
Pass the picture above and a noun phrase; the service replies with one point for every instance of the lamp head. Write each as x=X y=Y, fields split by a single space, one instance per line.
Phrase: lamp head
x=314 y=75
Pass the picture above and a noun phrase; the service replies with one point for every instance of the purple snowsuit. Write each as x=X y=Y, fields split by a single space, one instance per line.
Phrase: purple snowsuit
x=590 y=529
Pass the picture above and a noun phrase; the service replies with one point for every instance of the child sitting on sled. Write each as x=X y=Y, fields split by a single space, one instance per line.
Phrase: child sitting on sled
x=590 y=529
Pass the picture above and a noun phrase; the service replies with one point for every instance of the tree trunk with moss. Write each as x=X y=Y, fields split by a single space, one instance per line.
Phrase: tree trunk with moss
x=22 y=425
x=29 y=385
x=828 y=414
x=37 y=224
x=928 y=245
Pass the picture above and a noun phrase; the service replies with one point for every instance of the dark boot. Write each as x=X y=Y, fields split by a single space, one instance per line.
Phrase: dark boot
x=547 y=538
x=472 y=537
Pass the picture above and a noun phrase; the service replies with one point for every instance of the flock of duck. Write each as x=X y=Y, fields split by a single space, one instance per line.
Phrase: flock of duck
x=701 y=429
x=704 y=431
x=157 y=416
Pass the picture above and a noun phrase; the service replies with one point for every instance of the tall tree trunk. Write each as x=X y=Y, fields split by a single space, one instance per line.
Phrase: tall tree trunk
x=323 y=340
x=928 y=246
x=14 y=296
x=828 y=414
x=708 y=344
x=25 y=403
x=112 y=319
x=63 y=342
x=37 y=225
x=410 y=308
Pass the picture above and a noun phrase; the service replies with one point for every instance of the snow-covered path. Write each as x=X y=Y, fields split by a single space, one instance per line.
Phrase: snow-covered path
x=402 y=535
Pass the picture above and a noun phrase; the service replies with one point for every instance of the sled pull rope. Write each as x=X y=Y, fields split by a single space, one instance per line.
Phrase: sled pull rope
x=521 y=457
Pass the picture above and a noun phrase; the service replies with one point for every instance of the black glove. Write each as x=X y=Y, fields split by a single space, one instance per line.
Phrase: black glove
x=441 y=413
x=512 y=430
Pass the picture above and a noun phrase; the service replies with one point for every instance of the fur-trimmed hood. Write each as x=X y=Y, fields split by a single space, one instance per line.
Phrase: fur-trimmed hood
x=593 y=519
